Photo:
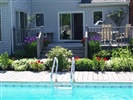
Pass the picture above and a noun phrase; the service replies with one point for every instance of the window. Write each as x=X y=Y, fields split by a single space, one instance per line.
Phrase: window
x=0 y=28
x=39 y=19
x=97 y=18
x=21 y=20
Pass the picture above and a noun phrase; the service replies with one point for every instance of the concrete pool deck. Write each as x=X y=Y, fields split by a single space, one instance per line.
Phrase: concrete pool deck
x=82 y=76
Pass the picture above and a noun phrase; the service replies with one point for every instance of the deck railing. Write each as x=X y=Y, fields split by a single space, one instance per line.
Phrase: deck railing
x=112 y=35
x=40 y=41
x=19 y=36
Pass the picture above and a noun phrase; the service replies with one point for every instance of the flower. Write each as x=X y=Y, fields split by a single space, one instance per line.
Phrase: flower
x=36 y=65
x=30 y=39
x=76 y=58
x=105 y=59
x=46 y=41
x=83 y=40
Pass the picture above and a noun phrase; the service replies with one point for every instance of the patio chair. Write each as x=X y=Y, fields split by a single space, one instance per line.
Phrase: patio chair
x=127 y=30
x=106 y=35
x=124 y=37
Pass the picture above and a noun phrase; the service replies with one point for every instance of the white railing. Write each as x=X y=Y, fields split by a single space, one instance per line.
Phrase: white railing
x=40 y=40
x=72 y=75
x=55 y=62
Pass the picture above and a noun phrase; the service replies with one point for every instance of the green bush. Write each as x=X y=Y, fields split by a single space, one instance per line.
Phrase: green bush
x=131 y=45
x=93 y=47
x=31 y=49
x=36 y=65
x=48 y=64
x=121 y=52
x=20 y=65
x=103 y=54
x=10 y=64
x=4 y=61
x=62 y=54
x=84 y=64
x=119 y=64
x=99 y=64
x=19 y=54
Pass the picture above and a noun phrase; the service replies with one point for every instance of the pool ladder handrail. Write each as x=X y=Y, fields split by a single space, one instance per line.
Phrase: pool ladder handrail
x=72 y=75
x=55 y=62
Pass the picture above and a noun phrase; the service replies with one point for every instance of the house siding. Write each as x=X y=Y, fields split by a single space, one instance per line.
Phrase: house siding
x=20 y=6
x=8 y=9
x=51 y=9
x=5 y=44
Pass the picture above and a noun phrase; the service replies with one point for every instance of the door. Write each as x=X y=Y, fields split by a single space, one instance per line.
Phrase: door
x=71 y=26
x=78 y=26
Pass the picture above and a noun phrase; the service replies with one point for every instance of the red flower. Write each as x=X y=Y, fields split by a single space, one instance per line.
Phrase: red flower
x=39 y=61
x=76 y=58
x=83 y=40
x=42 y=62
x=105 y=59
x=98 y=58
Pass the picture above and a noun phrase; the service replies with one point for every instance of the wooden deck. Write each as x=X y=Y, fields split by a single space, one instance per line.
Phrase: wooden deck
x=84 y=76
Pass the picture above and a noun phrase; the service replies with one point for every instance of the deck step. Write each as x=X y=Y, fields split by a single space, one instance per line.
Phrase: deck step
x=77 y=51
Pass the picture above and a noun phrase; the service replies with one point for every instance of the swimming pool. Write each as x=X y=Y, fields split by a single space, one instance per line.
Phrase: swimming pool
x=79 y=91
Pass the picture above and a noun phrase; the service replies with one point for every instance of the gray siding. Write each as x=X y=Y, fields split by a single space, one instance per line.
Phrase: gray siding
x=5 y=44
x=9 y=20
x=20 y=6
x=51 y=8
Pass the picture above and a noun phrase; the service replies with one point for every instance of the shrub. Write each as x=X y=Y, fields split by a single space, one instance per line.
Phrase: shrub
x=10 y=64
x=19 y=54
x=93 y=46
x=30 y=47
x=103 y=54
x=48 y=64
x=20 y=65
x=4 y=60
x=131 y=45
x=119 y=64
x=84 y=64
x=62 y=54
x=36 y=65
x=121 y=52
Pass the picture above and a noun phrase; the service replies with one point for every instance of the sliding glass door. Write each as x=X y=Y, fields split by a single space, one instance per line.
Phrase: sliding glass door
x=71 y=26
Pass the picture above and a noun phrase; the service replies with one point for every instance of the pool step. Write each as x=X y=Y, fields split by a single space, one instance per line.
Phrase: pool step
x=62 y=86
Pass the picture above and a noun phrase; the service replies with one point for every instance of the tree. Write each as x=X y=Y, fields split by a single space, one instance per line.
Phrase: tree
x=117 y=16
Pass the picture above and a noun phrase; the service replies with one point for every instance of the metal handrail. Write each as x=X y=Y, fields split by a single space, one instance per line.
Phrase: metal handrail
x=55 y=62
x=72 y=75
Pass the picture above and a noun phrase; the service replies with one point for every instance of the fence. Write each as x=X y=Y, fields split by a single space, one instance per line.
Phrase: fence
x=19 y=36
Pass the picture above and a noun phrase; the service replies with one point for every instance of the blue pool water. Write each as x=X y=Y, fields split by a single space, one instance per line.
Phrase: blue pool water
x=80 y=91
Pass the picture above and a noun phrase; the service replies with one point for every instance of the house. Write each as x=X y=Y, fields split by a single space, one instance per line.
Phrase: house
x=66 y=19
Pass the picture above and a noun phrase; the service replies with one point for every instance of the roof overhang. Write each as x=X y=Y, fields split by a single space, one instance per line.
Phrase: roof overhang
x=102 y=4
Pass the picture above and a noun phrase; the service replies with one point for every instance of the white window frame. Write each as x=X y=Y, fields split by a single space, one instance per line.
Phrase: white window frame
x=93 y=17
x=69 y=12
x=18 y=18
x=43 y=18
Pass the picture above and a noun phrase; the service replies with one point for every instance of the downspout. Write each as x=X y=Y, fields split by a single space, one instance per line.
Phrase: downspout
x=11 y=28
